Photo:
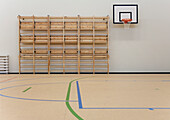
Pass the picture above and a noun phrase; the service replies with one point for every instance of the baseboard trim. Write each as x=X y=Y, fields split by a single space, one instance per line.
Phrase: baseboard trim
x=91 y=73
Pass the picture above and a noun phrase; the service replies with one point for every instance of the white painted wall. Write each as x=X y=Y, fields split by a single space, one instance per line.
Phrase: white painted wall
x=146 y=47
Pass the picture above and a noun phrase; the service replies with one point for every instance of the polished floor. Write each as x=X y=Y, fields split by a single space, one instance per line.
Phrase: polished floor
x=88 y=97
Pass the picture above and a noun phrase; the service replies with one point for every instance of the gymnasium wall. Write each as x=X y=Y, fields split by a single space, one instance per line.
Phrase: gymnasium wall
x=143 y=48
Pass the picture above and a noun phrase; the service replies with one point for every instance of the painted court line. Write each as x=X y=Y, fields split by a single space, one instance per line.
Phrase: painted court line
x=27 y=89
x=29 y=79
x=68 y=97
x=37 y=99
x=120 y=108
x=31 y=84
x=79 y=96
x=8 y=80
x=31 y=98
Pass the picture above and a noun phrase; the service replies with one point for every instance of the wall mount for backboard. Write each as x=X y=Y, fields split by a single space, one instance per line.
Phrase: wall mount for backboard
x=125 y=11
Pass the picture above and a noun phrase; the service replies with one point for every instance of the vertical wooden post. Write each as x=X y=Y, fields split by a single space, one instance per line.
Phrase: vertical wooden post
x=33 y=45
x=19 y=44
x=107 y=44
x=63 y=46
x=78 y=44
x=49 y=44
x=93 y=46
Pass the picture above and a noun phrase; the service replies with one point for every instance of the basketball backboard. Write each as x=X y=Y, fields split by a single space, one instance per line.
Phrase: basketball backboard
x=125 y=11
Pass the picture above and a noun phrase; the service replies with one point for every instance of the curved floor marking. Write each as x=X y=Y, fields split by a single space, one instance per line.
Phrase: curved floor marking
x=68 y=97
x=24 y=80
x=31 y=98
x=31 y=84
x=10 y=79
x=37 y=99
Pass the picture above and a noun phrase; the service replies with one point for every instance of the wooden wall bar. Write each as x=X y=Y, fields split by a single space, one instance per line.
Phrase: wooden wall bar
x=63 y=44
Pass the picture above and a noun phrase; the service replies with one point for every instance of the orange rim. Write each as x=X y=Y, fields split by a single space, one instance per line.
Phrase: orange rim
x=126 y=20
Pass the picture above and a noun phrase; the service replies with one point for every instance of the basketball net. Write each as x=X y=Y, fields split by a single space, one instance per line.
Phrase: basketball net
x=126 y=23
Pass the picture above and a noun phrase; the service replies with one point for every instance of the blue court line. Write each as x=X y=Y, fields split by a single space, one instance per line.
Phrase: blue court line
x=116 y=108
x=126 y=80
x=126 y=108
x=37 y=99
x=165 y=80
x=31 y=98
x=31 y=85
x=79 y=96
x=14 y=80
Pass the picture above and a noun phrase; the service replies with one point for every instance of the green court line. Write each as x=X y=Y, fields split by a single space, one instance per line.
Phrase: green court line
x=27 y=89
x=68 y=97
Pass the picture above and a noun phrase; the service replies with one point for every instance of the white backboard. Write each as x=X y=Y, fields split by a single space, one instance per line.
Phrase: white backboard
x=125 y=11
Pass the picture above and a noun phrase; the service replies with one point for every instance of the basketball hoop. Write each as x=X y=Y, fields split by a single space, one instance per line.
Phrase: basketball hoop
x=126 y=23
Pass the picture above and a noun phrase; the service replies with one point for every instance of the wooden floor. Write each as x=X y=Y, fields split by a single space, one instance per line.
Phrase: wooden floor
x=88 y=97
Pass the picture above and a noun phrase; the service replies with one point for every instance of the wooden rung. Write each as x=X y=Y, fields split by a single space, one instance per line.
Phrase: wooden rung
x=86 y=70
x=26 y=38
x=27 y=28
x=41 y=66
x=52 y=17
x=71 y=23
x=93 y=17
x=26 y=41
x=86 y=62
x=26 y=62
x=70 y=62
x=27 y=66
x=100 y=66
x=71 y=38
x=56 y=28
x=56 y=57
x=57 y=51
x=41 y=62
x=100 y=38
x=41 y=23
x=41 y=38
x=41 y=27
x=100 y=41
x=36 y=17
x=70 y=28
x=86 y=38
x=27 y=23
x=56 y=41
x=26 y=51
x=68 y=17
x=100 y=51
x=86 y=51
x=86 y=57
x=71 y=57
x=70 y=41
x=41 y=51
x=100 y=70
x=70 y=66
x=100 y=57
x=86 y=41
x=57 y=23
x=86 y=29
x=71 y=51
x=41 y=57
x=56 y=66
x=26 y=57
x=101 y=62
x=41 y=41
x=26 y=17
x=56 y=38
x=86 y=66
